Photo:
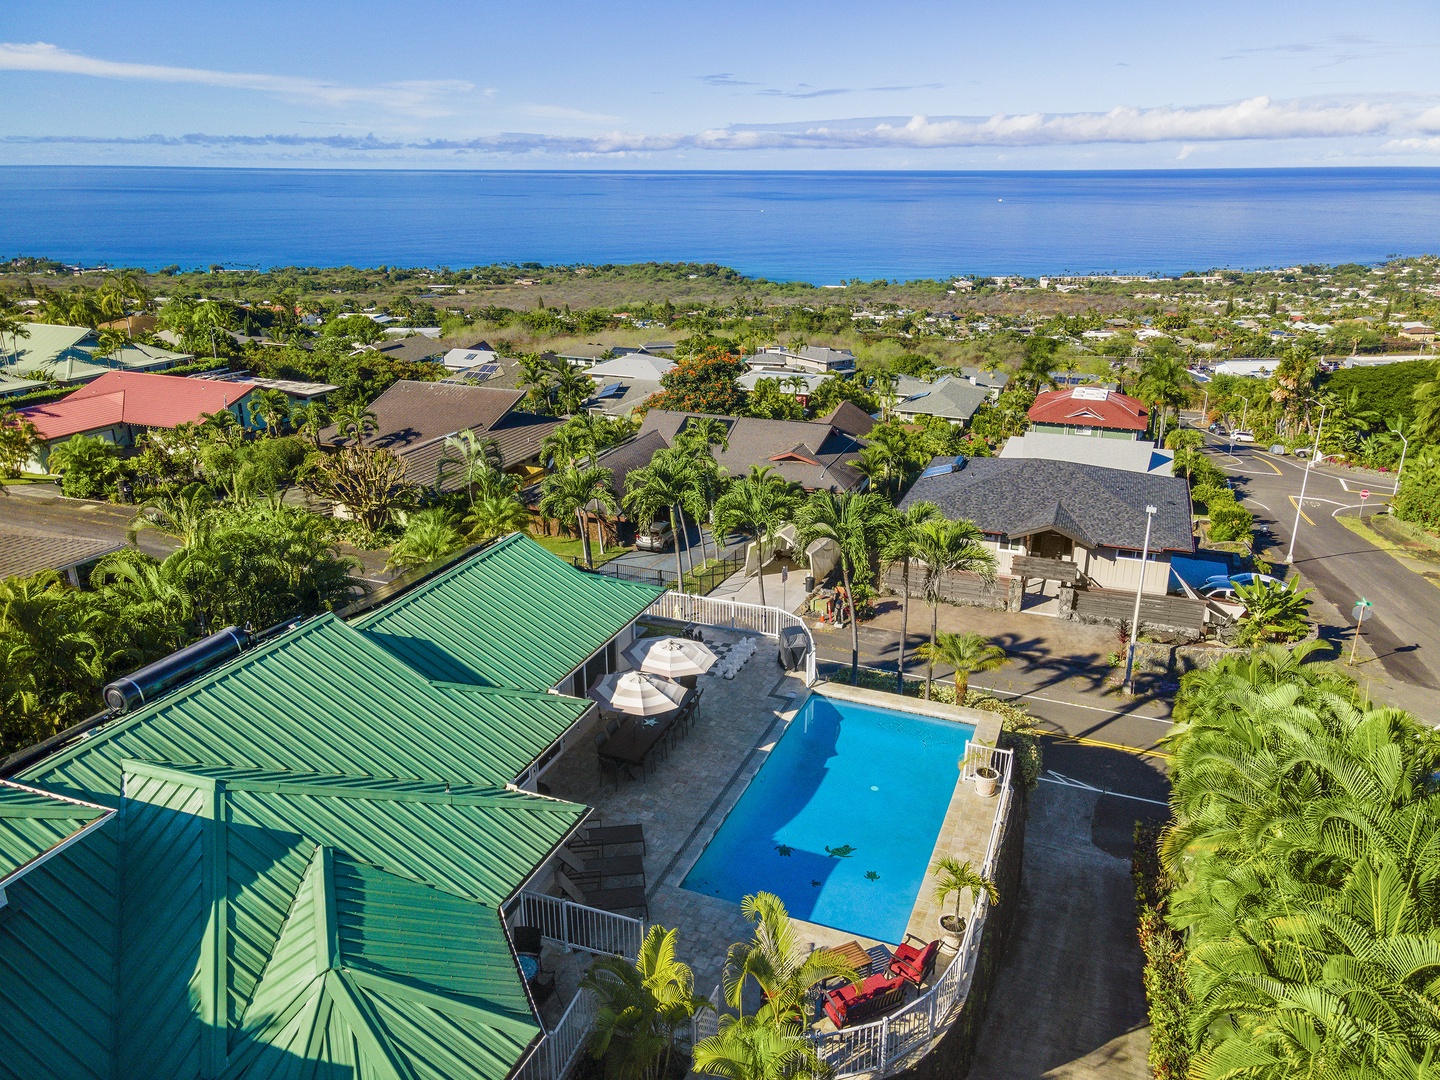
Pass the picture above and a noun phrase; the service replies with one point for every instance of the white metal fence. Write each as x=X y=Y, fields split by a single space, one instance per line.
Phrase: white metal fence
x=706 y=1022
x=579 y=927
x=726 y=614
x=561 y=1045
x=895 y=1042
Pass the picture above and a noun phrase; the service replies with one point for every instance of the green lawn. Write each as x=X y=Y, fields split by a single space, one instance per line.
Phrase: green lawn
x=568 y=548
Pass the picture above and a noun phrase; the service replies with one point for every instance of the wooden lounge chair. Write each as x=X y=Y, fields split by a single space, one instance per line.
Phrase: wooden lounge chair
x=618 y=900
x=877 y=995
x=914 y=965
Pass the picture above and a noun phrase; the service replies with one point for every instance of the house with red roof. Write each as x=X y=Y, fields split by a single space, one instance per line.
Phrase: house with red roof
x=1089 y=410
x=119 y=405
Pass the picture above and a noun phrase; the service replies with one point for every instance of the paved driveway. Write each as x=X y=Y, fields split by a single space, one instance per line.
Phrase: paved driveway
x=1068 y=1002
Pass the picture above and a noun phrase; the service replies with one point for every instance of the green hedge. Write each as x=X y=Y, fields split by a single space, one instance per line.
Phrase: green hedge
x=1164 y=976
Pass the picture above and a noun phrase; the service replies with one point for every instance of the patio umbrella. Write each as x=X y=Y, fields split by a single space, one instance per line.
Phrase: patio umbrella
x=637 y=693
x=672 y=657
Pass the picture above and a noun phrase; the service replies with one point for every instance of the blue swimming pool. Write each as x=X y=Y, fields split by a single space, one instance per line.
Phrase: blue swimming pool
x=841 y=820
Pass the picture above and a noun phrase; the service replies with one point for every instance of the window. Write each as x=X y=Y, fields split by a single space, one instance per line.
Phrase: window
x=1004 y=543
x=1134 y=556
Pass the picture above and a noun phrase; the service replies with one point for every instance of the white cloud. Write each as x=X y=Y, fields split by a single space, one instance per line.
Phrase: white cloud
x=560 y=112
x=422 y=98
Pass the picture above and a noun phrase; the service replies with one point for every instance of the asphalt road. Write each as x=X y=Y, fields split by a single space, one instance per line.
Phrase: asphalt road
x=1402 y=629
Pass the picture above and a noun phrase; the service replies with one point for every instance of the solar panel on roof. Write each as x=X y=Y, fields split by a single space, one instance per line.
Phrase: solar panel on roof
x=485 y=371
x=938 y=470
x=613 y=390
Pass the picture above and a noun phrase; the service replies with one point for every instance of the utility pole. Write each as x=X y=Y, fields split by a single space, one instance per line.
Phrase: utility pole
x=1300 y=506
x=1139 y=591
x=1404 y=449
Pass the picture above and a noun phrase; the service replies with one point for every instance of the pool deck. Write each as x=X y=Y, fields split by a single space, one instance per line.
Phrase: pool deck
x=688 y=795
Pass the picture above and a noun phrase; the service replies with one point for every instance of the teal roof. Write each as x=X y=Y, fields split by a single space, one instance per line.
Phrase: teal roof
x=34 y=822
x=313 y=845
x=323 y=698
x=513 y=615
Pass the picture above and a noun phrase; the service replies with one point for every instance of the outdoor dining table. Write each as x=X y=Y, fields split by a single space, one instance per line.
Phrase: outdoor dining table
x=638 y=736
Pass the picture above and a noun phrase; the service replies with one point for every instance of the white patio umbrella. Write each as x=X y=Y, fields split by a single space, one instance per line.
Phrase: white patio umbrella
x=637 y=693
x=672 y=657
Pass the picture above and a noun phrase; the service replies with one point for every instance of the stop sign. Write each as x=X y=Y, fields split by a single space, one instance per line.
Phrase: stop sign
x=1364 y=493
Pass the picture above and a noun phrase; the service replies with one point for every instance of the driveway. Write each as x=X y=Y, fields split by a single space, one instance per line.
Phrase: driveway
x=1402 y=630
x=664 y=561
x=1068 y=1001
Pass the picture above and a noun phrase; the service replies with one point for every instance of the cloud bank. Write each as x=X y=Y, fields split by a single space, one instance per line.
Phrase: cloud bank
x=420 y=98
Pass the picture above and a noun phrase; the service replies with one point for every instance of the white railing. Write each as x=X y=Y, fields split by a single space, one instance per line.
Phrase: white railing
x=895 y=1042
x=555 y=1053
x=576 y=926
x=706 y=1022
x=726 y=614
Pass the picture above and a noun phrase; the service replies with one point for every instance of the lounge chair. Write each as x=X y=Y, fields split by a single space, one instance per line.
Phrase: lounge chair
x=877 y=995
x=618 y=900
x=914 y=965
x=603 y=836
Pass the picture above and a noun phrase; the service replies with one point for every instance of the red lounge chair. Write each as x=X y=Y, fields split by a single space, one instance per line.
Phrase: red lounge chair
x=877 y=994
x=912 y=964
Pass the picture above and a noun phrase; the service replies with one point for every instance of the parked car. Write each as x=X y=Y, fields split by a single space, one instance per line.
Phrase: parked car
x=1243 y=436
x=1217 y=428
x=1222 y=587
x=655 y=537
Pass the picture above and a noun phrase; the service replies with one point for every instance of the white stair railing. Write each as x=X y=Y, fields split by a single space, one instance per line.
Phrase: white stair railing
x=558 y=1048
x=576 y=926
x=728 y=615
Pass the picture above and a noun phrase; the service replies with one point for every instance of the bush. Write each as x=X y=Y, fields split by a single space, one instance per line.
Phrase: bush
x=1230 y=521
x=88 y=466
x=1164 y=976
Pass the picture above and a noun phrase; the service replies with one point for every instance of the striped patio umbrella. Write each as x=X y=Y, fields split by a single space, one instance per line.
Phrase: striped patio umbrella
x=637 y=693
x=672 y=657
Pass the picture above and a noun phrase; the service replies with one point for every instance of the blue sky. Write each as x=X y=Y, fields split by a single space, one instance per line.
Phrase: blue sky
x=961 y=85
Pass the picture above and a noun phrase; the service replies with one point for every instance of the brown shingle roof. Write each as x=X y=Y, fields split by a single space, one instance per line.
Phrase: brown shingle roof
x=850 y=418
x=25 y=553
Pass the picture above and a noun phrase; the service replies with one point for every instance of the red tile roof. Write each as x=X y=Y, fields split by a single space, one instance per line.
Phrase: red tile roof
x=1087 y=406
x=133 y=397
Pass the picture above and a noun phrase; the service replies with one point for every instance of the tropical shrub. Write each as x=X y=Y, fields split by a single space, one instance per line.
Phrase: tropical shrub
x=88 y=466
x=1419 y=498
x=1164 y=974
x=1273 y=612
x=1304 y=853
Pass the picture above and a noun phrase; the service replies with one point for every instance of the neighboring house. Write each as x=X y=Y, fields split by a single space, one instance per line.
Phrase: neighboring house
x=473 y=356
x=815 y=359
x=812 y=453
x=306 y=861
x=1063 y=512
x=626 y=381
x=118 y=405
x=1252 y=369
x=1138 y=455
x=994 y=381
x=949 y=397
x=621 y=397
x=23 y=553
x=414 y=350
x=413 y=419
x=70 y=354
x=1417 y=331
x=798 y=384
x=299 y=393
x=1089 y=410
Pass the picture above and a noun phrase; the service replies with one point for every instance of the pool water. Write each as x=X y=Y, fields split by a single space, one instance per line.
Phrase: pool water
x=841 y=820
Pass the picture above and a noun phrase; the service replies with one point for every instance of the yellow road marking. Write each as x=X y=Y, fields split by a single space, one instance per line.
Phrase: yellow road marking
x=1082 y=740
x=1302 y=512
x=1266 y=459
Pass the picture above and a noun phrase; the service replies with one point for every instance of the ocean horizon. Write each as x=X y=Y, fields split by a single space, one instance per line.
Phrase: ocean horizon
x=818 y=227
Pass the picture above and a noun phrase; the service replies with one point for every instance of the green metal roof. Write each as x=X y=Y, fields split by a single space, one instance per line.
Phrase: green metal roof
x=34 y=822
x=322 y=698
x=513 y=615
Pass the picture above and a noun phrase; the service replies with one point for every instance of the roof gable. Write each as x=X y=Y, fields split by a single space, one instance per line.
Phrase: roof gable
x=409 y=413
x=1091 y=407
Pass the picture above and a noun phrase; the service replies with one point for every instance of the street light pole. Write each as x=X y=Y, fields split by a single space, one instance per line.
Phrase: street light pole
x=1404 y=449
x=1300 y=506
x=1205 y=410
x=1139 y=591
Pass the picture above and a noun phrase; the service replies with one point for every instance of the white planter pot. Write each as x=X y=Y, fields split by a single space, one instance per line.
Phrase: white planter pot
x=987 y=782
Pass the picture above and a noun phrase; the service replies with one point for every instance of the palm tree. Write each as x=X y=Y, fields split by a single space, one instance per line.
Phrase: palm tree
x=571 y=491
x=947 y=547
x=952 y=878
x=853 y=521
x=901 y=544
x=747 y=1048
x=108 y=343
x=430 y=535
x=496 y=515
x=661 y=486
x=967 y=653
x=699 y=435
x=777 y=960
x=1163 y=383
x=643 y=1006
x=759 y=504
x=536 y=377
x=473 y=456
x=309 y=418
x=13 y=327
x=355 y=421
x=571 y=390
x=213 y=319
x=270 y=408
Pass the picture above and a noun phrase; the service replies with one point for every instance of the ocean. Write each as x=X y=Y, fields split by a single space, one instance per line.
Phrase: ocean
x=820 y=227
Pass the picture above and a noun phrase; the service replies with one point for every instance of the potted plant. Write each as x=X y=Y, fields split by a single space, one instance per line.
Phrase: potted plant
x=987 y=781
x=952 y=877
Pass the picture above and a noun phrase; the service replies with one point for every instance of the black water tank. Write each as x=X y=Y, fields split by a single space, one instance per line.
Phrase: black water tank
x=150 y=682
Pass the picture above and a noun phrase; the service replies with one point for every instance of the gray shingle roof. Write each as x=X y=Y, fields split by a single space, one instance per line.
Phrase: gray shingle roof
x=26 y=553
x=1094 y=506
x=948 y=397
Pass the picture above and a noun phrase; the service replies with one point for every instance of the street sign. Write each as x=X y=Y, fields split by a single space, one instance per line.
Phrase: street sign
x=1361 y=606
x=1364 y=494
